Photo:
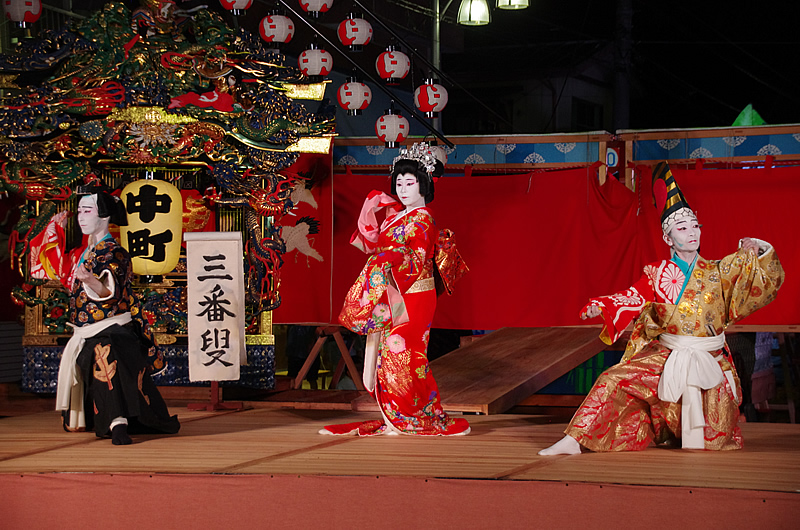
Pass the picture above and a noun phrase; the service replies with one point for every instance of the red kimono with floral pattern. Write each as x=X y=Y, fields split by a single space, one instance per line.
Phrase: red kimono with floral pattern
x=394 y=297
x=622 y=410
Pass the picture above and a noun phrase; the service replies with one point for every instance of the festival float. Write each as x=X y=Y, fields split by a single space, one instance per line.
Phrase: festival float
x=196 y=126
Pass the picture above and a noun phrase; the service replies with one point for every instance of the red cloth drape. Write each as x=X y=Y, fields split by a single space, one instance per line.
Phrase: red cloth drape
x=540 y=244
x=306 y=273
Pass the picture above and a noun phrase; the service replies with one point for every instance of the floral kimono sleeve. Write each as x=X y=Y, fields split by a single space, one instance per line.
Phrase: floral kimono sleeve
x=366 y=306
x=413 y=261
x=749 y=282
x=619 y=309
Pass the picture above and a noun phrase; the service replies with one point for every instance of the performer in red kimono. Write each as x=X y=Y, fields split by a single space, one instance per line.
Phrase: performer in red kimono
x=676 y=379
x=393 y=302
x=104 y=377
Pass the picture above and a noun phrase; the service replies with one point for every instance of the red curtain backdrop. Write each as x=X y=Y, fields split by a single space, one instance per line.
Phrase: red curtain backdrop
x=540 y=244
x=306 y=273
x=537 y=245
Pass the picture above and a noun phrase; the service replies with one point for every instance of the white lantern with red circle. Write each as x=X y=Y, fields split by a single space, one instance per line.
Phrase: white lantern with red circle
x=392 y=129
x=315 y=8
x=354 y=96
x=315 y=62
x=392 y=65
x=430 y=98
x=354 y=32
x=23 y=12
x=276 y=29
x=237 y=7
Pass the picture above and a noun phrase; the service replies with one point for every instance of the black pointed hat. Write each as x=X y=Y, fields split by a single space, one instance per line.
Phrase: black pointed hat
x=669 y=198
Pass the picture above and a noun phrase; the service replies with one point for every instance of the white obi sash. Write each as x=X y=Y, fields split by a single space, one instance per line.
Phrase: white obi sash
x=69 y=394
x=689 y=369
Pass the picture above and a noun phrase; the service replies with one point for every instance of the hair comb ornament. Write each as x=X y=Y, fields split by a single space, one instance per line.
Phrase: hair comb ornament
x=421 y=152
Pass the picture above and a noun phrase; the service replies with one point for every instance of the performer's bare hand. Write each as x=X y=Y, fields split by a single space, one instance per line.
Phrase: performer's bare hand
x=750 y=244
x=61 y=218
x=88 y=278
x=84 y=275
x=591 y=312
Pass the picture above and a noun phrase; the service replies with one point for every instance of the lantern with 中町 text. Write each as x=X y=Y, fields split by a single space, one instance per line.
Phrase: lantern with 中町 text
x=276 y=29
x=392 y=65
x=23 y=12
x=392 y=128
x=155 y=223
x=354 y=32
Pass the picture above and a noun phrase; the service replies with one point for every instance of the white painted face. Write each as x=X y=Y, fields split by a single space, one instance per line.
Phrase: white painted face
x=88 y=219
x=684 y=236
x=407 y=189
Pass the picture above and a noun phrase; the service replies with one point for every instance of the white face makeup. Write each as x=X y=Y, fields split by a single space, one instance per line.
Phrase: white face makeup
x=684 y=236
x=88 y=219
x=407 y=189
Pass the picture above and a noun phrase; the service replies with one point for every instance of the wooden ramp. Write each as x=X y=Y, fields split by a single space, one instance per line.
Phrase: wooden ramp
x=498 y=371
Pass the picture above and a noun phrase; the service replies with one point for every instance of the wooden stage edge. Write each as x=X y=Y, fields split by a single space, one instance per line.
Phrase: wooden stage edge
x=249 y=467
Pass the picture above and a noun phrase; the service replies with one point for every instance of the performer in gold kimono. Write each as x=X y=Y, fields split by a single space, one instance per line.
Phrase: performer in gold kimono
x=676 y=380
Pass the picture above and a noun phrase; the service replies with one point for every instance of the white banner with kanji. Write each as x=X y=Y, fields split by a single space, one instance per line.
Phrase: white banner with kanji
x=215 y=287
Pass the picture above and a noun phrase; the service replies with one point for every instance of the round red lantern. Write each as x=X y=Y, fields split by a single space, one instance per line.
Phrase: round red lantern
x=354 y=96
x=392 y=129
x=315 y=62
x=23 y=12
x=393 y=65
x=354 y=32
x=237 y=7
x=430 y=98
x=276 y=29
x=316 y=7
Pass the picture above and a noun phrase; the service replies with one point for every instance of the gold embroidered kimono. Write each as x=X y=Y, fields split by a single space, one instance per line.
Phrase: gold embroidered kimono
x=623 y=411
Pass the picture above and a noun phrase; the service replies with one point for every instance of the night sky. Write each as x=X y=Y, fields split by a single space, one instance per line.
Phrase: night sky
x=692 y=63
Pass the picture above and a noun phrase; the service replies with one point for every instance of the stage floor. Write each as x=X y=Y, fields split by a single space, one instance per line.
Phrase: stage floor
x=285 y=442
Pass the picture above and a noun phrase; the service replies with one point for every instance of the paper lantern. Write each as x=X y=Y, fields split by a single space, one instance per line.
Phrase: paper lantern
x=316 y=7
x=430 y=98
x=276 y=29
x=354 y=97
x=23 y=12
x=237 y=7
x=354 y=32
x=153 y=234
x=392 y=129
x=392 y=65
x=315 y=62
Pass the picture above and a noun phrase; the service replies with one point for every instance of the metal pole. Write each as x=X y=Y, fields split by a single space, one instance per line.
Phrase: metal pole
x=437 y=54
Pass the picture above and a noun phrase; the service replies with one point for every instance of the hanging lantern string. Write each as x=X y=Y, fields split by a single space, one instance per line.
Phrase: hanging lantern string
x=367 y=75
x=428 y=64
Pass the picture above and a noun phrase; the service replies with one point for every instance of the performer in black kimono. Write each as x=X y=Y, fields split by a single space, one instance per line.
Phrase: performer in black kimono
x=104 y=378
